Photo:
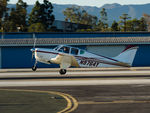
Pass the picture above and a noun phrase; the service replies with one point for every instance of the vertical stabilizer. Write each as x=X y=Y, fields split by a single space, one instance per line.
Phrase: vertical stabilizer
x=127 y=55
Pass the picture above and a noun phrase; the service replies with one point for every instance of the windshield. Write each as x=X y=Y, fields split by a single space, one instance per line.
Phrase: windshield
x=64 y=49
x=57 y=47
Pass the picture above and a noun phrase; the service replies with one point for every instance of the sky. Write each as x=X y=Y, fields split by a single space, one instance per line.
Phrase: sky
x=97 y=3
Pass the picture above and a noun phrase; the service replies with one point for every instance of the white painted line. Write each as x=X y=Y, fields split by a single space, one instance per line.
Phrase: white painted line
x=73 y=82
x=87 y=73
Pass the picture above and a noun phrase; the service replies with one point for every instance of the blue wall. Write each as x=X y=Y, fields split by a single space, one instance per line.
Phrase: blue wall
x=142 y=57
x=16 y=57
x=21 y=57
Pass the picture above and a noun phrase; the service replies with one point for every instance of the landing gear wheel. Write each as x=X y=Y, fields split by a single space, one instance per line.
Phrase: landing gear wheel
x=62 y=71
x=34 y=68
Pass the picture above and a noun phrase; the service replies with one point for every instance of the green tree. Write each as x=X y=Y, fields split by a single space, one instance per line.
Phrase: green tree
x=17 y=18
x=88 y=19
x=42 y=13
x=35 y=15
x=37 y=27
x=102 y=23
x=21 y=13
x=77 y=15
x=142 y=25
x=8 y=21
x=132 y=25
x=103 y=17
x=136 y=25
x=115 y=26
x=47 y=17
x=3 y=10
x=100 y=26
x=124 y=18
x=72 y=14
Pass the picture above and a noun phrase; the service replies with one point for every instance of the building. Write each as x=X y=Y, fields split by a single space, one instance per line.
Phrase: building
x=63 y=26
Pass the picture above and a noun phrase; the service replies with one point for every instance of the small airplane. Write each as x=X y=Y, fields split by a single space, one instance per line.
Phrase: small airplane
x=67 y=56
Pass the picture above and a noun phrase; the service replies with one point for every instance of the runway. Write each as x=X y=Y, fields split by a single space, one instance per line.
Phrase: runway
x=78 y=74
x=73 y=78
x=125 y=91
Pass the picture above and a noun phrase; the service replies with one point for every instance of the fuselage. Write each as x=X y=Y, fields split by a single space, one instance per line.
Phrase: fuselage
x=79 y=57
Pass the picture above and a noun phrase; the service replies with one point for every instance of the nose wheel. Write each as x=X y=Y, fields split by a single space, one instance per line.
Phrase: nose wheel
x=62 y=71
x=34 y=68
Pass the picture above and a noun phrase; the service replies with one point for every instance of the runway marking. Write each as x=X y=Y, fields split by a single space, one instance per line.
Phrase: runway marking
x=114 y=102
x=72 y=103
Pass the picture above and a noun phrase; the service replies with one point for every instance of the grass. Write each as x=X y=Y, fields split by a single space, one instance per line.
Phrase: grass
x=30 y=102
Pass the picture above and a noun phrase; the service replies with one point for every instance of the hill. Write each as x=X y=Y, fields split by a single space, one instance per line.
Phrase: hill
x=114 y=11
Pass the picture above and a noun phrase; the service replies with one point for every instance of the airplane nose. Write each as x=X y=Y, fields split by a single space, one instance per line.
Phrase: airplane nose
x=33 y=49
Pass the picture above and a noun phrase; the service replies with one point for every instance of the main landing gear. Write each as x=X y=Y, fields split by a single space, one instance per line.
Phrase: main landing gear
x=62 y=71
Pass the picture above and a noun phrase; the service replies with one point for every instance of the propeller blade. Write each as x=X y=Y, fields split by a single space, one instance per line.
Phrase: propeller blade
x=34 y=42
x=33 y=52
x=32 y=55
x=33 y=49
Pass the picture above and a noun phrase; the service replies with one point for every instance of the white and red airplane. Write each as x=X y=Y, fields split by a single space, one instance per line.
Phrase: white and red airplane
x=67 y=56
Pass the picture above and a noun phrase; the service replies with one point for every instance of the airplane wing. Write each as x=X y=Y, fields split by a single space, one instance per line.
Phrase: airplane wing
x=65 y=61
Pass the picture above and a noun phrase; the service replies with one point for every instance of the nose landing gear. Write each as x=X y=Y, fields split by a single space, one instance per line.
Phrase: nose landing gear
x=34 y=68
x=62 y=71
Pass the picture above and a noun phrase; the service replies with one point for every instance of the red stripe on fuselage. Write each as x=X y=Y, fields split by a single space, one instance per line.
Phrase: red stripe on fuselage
x=46 y=52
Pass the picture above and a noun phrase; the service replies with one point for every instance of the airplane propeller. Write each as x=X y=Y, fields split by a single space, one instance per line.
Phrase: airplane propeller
x=33 y=49
x=33 y=53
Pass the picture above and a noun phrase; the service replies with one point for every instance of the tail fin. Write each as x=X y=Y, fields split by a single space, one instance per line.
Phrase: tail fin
x=127 y=56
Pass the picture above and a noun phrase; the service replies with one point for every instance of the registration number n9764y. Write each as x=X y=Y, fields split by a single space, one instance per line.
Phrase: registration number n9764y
x=89 y=63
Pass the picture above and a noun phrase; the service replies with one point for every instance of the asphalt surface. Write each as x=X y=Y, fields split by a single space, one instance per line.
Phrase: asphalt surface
x=113 y=94
x=105 y=99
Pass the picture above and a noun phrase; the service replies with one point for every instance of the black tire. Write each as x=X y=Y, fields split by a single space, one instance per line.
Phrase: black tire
x=62 y=71
x=34 y=68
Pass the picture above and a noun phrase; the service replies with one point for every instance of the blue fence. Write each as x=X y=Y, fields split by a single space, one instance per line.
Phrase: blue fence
x=21 y=35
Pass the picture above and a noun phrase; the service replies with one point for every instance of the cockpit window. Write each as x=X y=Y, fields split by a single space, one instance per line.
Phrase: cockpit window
x=81 y=52
x=74 y=51
x=64 y=49
x=56 y=48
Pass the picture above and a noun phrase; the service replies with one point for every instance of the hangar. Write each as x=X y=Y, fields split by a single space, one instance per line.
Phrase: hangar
x=15 y=47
